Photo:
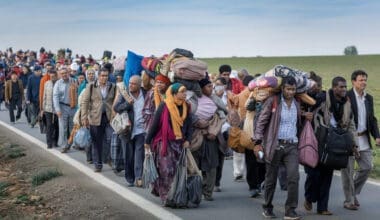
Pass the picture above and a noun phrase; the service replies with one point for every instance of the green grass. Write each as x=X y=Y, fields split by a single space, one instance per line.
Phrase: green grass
x=3 y=188
x=23 y=198
x=11 y=152
x=325 y=66
x=44 y=176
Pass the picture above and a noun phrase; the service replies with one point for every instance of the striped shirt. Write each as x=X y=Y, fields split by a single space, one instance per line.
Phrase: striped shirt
x=288 y=121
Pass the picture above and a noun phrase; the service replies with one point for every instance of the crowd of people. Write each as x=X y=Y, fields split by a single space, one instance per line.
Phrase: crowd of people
x=63 y=94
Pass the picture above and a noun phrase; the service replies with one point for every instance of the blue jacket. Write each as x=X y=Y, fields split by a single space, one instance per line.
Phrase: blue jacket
x=33 y=90
x=24 y=78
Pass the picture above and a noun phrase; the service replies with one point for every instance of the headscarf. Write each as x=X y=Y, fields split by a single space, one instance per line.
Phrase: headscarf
x=172 y=103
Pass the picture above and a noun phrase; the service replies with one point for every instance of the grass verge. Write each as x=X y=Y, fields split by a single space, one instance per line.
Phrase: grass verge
x=44 y=176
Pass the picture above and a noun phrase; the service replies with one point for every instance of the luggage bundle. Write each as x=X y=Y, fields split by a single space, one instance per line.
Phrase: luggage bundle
x=119 y=63
x=302 y=78
x=264 y=87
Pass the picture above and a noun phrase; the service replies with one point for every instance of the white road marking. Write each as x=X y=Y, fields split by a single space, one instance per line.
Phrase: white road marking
x=127 y=194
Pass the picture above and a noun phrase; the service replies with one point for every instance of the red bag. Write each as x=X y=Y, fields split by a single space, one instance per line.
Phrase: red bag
x=308 y=146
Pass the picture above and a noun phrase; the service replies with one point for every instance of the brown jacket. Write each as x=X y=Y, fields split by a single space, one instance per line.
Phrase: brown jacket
x=267 y=125
x=91 y=103
x=8 y=90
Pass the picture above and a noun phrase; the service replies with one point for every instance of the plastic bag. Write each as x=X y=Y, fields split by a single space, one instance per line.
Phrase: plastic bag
x=150 y=172
x=82 y=138
x=178 y=193
x=193 y=182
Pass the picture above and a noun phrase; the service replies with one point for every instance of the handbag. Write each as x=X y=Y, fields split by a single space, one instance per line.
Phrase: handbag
x=308 y=146
x=121 y=123
x=337 y=148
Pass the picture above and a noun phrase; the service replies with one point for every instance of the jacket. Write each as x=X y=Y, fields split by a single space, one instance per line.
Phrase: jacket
x=33 y=89
x=268 y=123
x=372 y=127
x=91 y=103
x=47 y=99
x=44 y=80
x=8 y=90
x=121 y=105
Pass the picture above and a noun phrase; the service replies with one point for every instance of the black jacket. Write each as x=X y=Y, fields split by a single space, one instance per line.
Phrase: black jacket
x=372 y=127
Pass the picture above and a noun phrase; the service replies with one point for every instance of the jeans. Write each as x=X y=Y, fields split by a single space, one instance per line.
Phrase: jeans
x=134 y=158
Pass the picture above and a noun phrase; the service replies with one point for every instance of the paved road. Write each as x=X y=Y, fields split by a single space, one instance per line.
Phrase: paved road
x=233 y=202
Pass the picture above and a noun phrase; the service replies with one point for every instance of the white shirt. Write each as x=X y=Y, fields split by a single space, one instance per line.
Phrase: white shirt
x=361 y=141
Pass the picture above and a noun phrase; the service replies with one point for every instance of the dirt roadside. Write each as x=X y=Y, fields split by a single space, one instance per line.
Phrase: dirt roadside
x=70 y=196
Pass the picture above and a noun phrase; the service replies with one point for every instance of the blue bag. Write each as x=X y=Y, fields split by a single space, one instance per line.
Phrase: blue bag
x=132 y=66
x=82 y=138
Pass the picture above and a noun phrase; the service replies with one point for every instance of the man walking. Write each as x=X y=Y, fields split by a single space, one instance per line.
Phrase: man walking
x=366 y=126
x=32 y=98
x=64 y=106
x=14 y=94
x=276 y=130
x=96 y=110
x=133 y=141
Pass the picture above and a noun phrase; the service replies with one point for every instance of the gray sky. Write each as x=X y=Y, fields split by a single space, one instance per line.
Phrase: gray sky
x=220 y=28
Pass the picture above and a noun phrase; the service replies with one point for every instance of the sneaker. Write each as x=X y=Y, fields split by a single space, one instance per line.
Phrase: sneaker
x=268 y=213
x=208 y=198
x=238 y=178
x=130 y=184
x=139 y=183
x=356 y=202
x=253 y=193
x=350 y=206
x=217 y=189
x=18 y=117
x=308 y=205
x=98 y=170
x=326 y=212
x=292 y=215
x=65 y=150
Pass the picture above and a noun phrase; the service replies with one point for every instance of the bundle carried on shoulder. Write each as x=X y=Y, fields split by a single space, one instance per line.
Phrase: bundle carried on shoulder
x=264 y=87
x=302 y=78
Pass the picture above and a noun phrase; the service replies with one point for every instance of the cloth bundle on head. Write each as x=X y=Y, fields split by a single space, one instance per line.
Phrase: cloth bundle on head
x=119 y=63
x=132 y=66
x=172 y=103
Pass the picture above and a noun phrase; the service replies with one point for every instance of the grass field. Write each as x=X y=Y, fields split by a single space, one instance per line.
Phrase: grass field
x=325 y=66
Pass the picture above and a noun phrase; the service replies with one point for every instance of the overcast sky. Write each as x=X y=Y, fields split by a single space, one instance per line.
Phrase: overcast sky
x=217 y=28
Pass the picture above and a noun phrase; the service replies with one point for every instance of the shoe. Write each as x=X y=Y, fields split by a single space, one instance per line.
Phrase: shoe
x=98 y=170
x=13 y=123
x=238 y=178
x=208 y=198
x=284 y=188
x=326 y=212
x=65 y=150
x=350 y=206
x=31 y=126
x=253 y=193
x=18 y=117
x=308 y=205
x=356 y=202
x=268 y=213
x=49 y=147
x=90 y=162
x=292 y=215
x=130 y=184
x=139 y=183
x=217 y=189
